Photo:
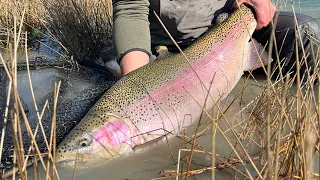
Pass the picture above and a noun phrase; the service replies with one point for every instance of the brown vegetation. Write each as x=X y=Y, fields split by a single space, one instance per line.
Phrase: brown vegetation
x=83 y=28
x=283 y=124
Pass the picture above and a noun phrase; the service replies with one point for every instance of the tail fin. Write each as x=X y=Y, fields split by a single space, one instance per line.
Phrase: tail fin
x=254 y=51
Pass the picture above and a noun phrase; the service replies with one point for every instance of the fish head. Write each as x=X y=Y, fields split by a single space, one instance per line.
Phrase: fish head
x=97 y=138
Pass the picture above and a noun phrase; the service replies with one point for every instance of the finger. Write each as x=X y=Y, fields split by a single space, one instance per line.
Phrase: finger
x=236 y=5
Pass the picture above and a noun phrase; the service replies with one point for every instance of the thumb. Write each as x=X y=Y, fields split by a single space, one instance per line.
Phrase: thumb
x=237 y=3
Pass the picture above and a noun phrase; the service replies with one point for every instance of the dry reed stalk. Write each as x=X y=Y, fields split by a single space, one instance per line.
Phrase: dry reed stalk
x=52 y=148
x=226 y=138
x=5 y=119
x=198 y=125
x=12 y=77
x=203 y=108
x=206 y=90
x=34 y=15
x=289 y=153
x=10 y=67
x=34 y=9
x=213 y=142
x=81 y=28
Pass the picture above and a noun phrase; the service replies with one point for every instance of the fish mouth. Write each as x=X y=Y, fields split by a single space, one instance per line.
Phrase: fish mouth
x=71 y=159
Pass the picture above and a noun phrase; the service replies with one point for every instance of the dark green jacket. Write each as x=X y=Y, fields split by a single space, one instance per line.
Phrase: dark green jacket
x=136 y=27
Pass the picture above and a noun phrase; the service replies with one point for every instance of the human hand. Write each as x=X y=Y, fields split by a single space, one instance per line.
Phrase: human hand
x=264 y=9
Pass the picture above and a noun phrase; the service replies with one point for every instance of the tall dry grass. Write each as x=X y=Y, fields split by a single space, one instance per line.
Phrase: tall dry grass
x=13 y=113
x=283 y=123
x=34 y=14
x=34 y=17
x=82 y=28
x=284 y=120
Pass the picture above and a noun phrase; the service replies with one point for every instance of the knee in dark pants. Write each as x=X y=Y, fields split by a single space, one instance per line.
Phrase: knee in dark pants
x=287 y=39
x=307 y=46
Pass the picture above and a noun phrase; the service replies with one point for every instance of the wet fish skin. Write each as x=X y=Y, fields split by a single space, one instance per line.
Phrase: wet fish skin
x=156 y=97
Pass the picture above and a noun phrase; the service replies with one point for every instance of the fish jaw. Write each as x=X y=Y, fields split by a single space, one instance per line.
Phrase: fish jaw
x=106 y=141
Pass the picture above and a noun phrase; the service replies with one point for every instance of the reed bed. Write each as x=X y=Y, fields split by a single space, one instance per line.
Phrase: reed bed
x=277 y=139
x=283 y=121
x=86 y=29
x=34 y=16
x=17 y=115
x=34 y=12
x=82 y=28
x=282 y=127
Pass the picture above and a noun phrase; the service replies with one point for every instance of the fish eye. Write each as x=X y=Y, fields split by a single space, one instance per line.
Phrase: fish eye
x=84 y=142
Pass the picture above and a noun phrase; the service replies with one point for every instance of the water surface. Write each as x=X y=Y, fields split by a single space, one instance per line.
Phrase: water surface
x=150 y=160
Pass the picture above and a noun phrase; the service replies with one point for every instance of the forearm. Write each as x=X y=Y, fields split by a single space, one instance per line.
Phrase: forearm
x=132 y=61
x=131 y=27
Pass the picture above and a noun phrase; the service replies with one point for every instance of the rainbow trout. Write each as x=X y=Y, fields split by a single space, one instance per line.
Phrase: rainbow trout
x=154 y=99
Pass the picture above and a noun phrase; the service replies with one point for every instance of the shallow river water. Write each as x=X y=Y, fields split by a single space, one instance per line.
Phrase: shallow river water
x=151 y=159
x=154 y=160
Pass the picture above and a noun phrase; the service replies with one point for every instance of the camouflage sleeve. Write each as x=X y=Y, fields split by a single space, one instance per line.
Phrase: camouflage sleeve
x=131 y=29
